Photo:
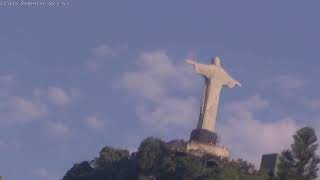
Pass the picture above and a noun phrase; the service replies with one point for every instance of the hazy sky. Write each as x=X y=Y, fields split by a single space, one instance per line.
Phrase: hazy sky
x=76 y=78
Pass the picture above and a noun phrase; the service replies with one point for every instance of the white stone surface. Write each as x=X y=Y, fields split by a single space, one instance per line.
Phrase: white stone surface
x=199 y=149
x=215 y=78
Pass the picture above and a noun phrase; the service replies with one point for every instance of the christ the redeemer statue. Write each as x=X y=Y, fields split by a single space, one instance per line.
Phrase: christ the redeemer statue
x=215 y=78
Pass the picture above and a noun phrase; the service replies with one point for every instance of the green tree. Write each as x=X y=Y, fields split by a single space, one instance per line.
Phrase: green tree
x=108 y=155
x=81 y=171
x=158 y=160
x=150 y=153
x=301 y=162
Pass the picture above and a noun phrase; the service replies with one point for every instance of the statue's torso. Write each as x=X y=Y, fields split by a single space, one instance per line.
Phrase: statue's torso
x=210 y=103
x=216 y=78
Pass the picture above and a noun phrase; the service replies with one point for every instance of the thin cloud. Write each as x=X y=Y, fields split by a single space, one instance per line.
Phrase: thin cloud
x=313 y=103
x=16 y=109
x=92 y=65
x=94 y=122
x=57 y=129
x=58 y=96
x=156 y=78
x=168 y=113
x=247 y=136
x=103 y=52
x=23 y=110
x=8 y=78
x=43 y=174
x=285 y=82
x=289 y=82
x=7 y=83
x=9 y=145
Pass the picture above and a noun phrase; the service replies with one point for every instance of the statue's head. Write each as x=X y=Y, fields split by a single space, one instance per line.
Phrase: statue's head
x=216 y=61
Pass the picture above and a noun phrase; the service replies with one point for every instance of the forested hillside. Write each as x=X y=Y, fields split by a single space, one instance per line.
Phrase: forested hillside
x=159 y=160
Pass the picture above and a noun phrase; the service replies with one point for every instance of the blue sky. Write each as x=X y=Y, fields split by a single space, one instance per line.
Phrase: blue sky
x=76 y=78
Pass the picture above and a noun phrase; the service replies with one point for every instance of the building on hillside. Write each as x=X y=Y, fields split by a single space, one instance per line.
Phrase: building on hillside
x=270 y=163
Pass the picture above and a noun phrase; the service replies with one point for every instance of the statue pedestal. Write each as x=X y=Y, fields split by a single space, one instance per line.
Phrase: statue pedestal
x=199 y=149
x=204 y=141
x=204 y=136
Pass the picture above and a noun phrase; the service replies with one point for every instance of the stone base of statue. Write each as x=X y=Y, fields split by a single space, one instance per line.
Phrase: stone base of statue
x=199 y=149
x=203 y=141
x=204 y=136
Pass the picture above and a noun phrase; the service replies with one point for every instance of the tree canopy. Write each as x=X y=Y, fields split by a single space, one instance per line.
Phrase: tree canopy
x=159 y=160
x=156 y=159
x=301 y=161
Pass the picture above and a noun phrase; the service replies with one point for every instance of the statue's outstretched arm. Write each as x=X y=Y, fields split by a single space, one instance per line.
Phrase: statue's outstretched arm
x=189 y=61
x=203 y=69
x=232 y=83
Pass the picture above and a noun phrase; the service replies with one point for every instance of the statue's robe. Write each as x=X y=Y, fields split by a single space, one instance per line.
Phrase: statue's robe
x=215 y=78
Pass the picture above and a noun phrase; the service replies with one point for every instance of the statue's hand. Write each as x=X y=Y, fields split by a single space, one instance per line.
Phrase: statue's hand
x=233 y=83
x=189 y=61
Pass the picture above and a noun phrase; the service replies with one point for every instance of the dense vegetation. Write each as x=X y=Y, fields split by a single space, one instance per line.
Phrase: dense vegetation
x=301 y=161
x=158 y=160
